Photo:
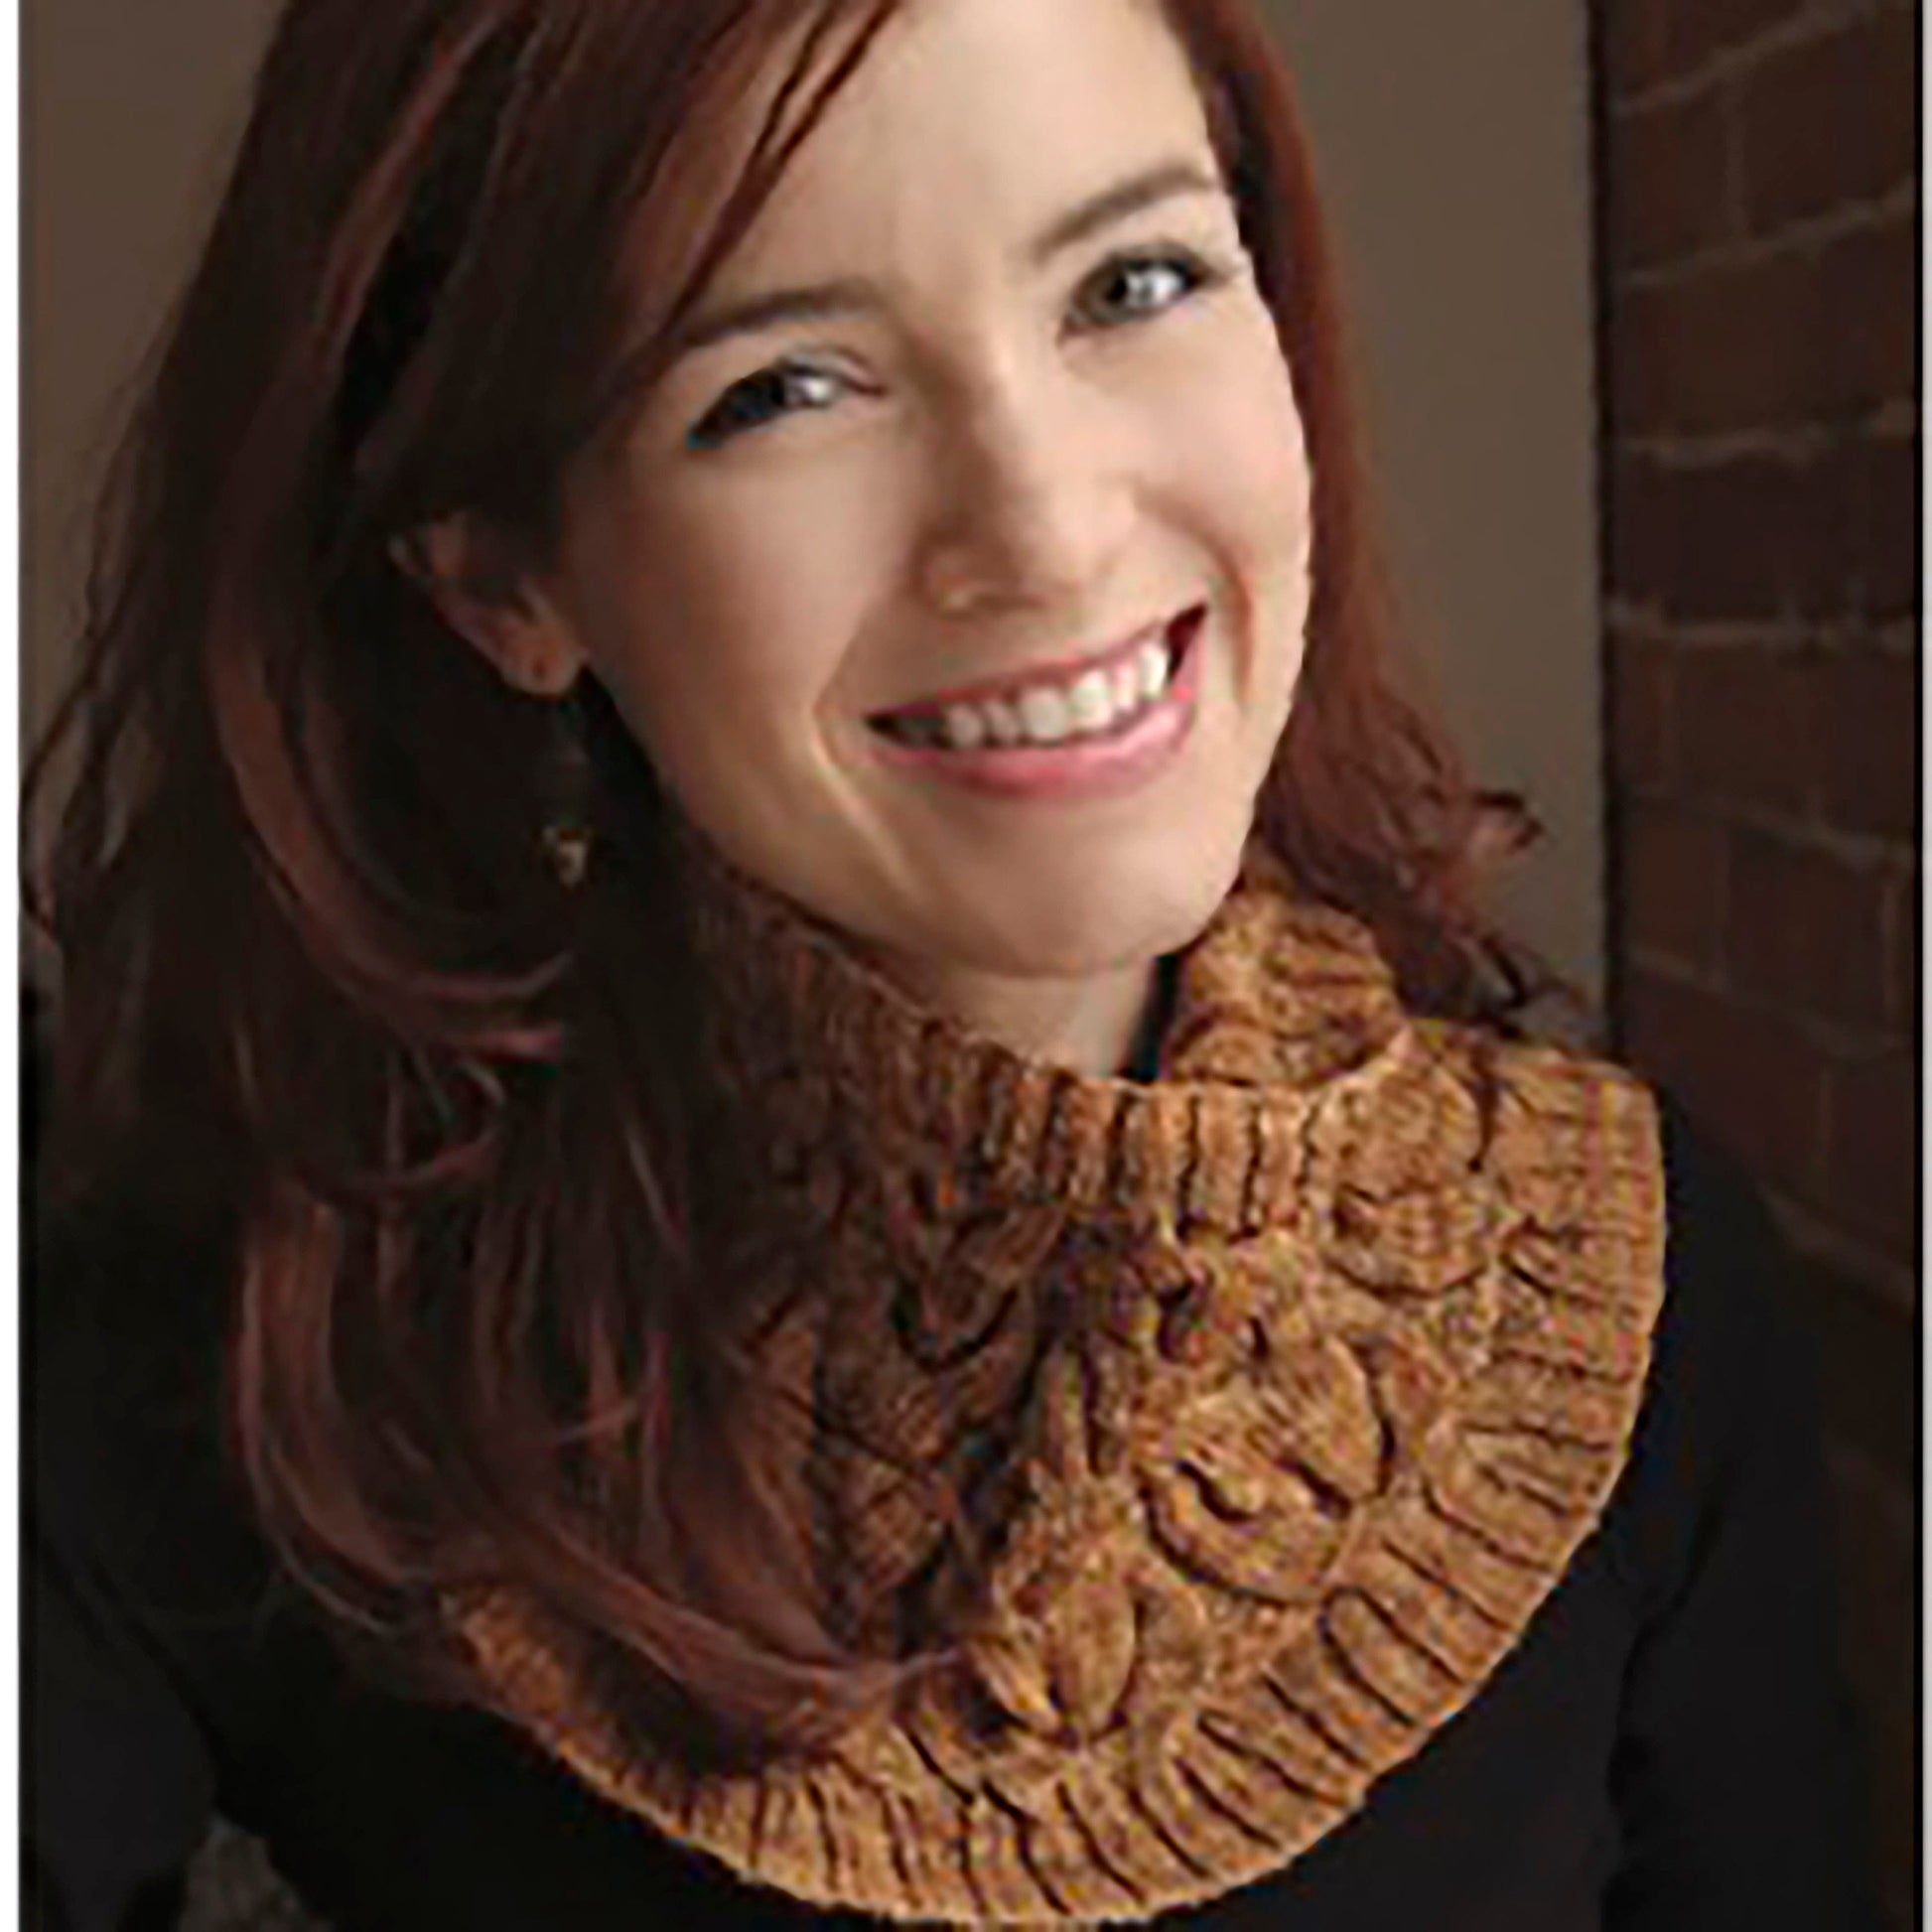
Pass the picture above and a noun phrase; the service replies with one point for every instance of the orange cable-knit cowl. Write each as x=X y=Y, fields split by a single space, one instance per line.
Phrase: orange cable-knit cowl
x=1287 y=1385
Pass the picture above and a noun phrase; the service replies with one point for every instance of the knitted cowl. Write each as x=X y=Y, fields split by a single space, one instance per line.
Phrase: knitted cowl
x=1283 y=1389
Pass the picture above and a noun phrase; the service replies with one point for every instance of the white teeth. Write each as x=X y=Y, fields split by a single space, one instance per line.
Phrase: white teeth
x=1092 y=701
x=1003 y=722
x=1153 y=663
x=966 y=726
x=1048 y=714
x=1045 y=715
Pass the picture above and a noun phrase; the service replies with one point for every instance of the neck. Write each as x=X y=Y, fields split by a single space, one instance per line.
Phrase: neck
x=1096 y=1023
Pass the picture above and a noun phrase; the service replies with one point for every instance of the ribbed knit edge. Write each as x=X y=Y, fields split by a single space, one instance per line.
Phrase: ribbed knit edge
x=1205 y=1144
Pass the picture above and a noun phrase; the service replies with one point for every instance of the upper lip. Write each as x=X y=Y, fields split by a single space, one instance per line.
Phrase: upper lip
x=1045 y=670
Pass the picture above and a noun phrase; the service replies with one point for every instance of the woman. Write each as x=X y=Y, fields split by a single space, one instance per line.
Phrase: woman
x=764 y=988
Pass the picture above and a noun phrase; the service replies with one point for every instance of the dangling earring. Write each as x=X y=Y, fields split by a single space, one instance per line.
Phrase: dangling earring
x=565 y=782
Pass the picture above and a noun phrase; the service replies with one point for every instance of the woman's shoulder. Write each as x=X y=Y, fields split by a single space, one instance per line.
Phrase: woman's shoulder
x=1729 y=1339
x=124 y=1300
x=129 y=1483
x=1730 y=1417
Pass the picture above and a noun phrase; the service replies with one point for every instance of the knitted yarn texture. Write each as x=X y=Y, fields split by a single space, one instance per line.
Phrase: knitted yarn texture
x=1282 y=1387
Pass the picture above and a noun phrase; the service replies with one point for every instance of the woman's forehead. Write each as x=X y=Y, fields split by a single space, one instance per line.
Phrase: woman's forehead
x=969 y=125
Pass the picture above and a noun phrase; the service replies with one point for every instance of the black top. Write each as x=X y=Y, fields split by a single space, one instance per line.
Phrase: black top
x=1667 y=1748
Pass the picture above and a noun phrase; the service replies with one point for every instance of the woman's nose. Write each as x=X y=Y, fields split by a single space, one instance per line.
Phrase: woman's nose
x=1033 y=507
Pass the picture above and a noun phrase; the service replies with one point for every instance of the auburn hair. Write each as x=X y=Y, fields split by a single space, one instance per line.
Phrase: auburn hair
x=321 y=992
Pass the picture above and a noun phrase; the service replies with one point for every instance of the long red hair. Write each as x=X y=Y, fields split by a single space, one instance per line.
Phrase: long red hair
x=322 y=993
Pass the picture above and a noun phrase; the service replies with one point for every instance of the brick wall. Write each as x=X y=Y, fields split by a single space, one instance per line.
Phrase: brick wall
x=1757 y=250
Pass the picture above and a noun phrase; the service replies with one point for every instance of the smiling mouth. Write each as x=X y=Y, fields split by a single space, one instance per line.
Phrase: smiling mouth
x=1105 y=698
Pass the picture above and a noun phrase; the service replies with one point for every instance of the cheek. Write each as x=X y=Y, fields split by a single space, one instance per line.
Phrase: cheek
x=1242 y=489
x=723 y=619
x=1246 y=464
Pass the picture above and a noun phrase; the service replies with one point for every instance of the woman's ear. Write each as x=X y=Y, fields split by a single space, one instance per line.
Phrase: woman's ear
x=466 y=573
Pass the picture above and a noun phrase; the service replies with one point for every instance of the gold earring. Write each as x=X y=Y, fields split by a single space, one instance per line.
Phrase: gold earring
x=567 y=850
x=565 y=783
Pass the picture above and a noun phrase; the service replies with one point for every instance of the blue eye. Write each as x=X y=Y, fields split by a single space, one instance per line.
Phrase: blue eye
x=1137 y=288
x=782 y=390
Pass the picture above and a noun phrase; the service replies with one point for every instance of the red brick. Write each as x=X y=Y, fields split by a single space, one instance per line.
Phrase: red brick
x=1673 y=882
x=1821 y=569
x=1804 y=932
x=1887 y=522
x=1640 y=528
x=1752 y=537
x=1750 y=1077
x=1869 y=352
x=1745 y=728
x=1648 y=40
x=1904 y=987
x=1802 y=335
x=1830 y=121
x=1638 y=696
x=1668 y=187
x=1709 y=351
x=1867 y=1362
x=1871 y=1170
x=1867 y=742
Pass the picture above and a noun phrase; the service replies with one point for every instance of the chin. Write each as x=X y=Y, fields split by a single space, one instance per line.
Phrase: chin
x=1100 y=916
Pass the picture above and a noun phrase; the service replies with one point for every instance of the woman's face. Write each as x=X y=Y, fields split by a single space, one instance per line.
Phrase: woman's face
x=986 y=404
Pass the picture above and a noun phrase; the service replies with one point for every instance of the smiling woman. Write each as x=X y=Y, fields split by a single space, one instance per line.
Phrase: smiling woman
x=895 y=455
x=786 y=1140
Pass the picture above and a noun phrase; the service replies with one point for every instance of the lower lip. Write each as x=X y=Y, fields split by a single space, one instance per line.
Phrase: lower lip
x=1093 y=767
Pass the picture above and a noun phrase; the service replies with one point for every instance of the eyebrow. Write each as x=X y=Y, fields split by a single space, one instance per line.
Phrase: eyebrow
x=855 y=295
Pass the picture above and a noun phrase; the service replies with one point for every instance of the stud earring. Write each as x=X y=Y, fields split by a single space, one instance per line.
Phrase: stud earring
x=540 y=671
